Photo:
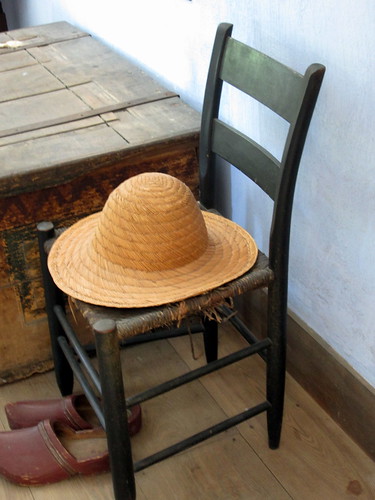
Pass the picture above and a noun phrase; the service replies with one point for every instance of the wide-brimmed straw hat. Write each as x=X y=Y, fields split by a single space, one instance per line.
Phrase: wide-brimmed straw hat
x=150 y=245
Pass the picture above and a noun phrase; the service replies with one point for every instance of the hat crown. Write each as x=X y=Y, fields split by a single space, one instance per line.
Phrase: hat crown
x=151 y=222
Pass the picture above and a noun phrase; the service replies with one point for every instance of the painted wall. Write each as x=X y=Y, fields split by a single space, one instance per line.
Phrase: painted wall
x=332 y=250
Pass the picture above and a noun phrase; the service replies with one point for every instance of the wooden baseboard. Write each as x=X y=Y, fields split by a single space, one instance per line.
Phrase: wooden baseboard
x=329 y=379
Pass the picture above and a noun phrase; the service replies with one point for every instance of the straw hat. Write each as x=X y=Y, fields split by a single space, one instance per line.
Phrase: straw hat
x=150 y=245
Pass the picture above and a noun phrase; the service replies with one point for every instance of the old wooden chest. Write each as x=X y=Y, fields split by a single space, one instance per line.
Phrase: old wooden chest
x=76 y=120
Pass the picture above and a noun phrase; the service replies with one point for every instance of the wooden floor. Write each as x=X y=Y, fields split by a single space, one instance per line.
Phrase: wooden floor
x=316 y=459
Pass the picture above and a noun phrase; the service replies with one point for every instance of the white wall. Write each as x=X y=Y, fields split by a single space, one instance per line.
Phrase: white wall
x=332 y=252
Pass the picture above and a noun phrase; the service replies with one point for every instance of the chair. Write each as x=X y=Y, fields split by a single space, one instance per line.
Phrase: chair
x=290 y=95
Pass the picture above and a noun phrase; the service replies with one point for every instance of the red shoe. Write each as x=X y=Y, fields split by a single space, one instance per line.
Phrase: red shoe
x=51 y=452
x=74 y=411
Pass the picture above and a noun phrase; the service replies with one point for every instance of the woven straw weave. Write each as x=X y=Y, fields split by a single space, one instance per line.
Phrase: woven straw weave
x=150 y=245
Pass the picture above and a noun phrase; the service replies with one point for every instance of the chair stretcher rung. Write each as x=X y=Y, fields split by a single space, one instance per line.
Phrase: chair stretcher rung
x=81 y=353
x=198 y=372
x=201 y=436
x=242 y=329
x=68 y=351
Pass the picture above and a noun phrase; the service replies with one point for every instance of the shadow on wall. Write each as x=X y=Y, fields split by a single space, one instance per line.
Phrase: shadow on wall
x=3 y=20
x=222 y=187
x=16 y=12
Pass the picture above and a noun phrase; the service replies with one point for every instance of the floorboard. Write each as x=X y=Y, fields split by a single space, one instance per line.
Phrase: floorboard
x=316 y=459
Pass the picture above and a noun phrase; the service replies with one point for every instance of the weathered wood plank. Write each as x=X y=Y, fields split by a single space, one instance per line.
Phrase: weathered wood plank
x=94 y=94
x=103 y=110
x=53 y=130
x=47 y=152
x=29 y=81
x=46 y=34
x=21 y=112
x=161 y=119
x=85 y=58
x=13 y=60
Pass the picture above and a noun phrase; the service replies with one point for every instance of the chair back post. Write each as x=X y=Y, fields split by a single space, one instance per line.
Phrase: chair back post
x=283 y=205
x=279 y=251
x=211 y=103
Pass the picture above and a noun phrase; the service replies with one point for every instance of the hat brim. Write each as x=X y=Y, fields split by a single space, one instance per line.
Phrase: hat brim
x=81 y=272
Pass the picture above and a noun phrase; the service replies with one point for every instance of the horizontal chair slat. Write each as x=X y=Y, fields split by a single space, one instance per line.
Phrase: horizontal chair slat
x=247 y=155
x=270 y=82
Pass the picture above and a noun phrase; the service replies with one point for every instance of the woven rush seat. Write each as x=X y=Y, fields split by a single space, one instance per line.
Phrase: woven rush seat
x=131 y=322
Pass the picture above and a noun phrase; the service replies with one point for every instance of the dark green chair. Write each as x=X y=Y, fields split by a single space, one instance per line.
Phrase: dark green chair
x=291 y=96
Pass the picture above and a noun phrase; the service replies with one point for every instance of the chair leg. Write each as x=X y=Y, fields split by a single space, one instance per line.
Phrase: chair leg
x=53 y=296
x=276 y=364
x=114 y=408
x=211 y=339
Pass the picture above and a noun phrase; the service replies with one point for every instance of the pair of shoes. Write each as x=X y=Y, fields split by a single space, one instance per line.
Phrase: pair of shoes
x=55 y=439
x=74 y=411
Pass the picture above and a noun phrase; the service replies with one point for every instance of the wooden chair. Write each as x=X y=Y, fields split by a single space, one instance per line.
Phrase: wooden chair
x=290 y=95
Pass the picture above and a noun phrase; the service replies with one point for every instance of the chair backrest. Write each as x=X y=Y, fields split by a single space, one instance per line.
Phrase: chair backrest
x=287 y=93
